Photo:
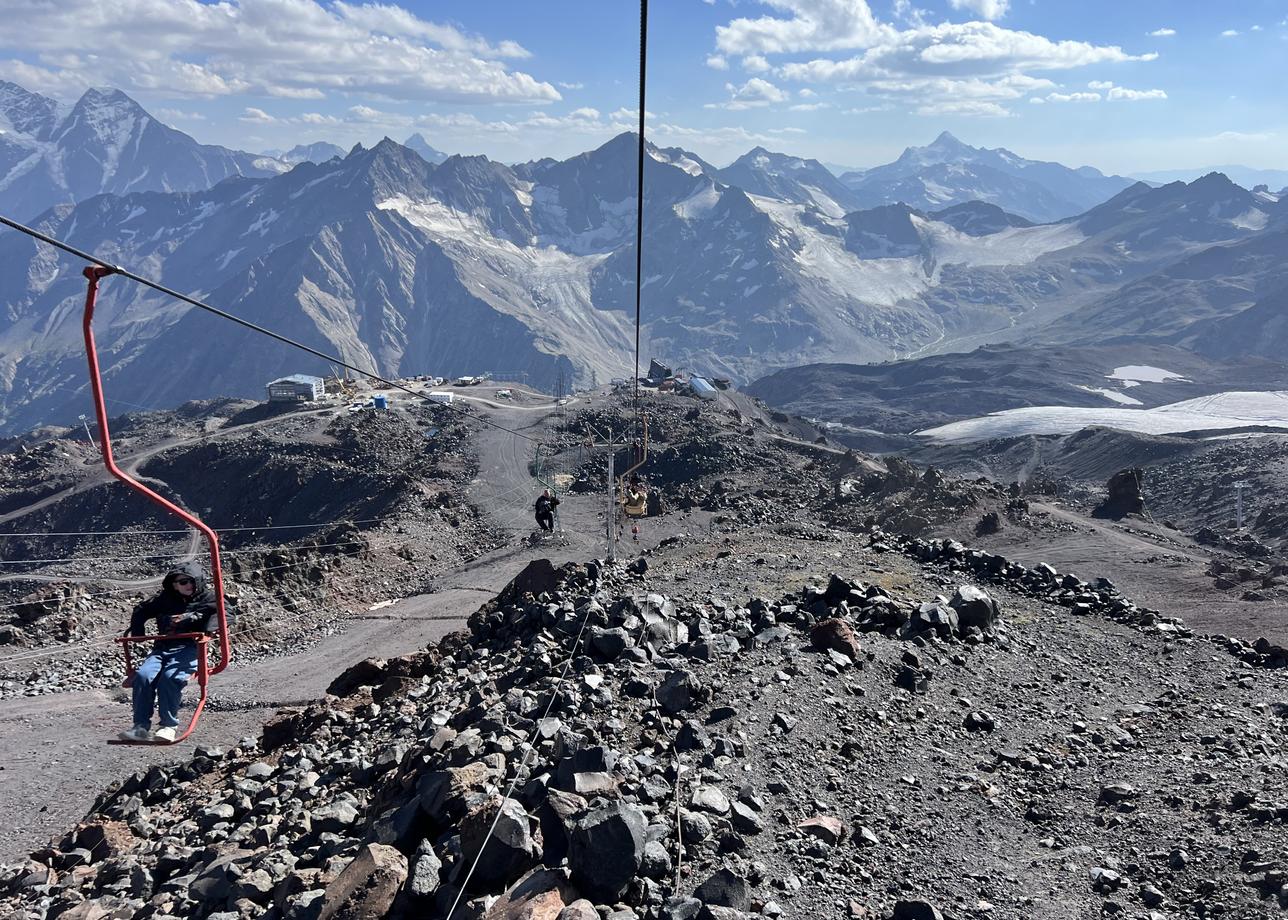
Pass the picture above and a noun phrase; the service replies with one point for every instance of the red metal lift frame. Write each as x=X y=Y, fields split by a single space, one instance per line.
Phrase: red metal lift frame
x=93 y=275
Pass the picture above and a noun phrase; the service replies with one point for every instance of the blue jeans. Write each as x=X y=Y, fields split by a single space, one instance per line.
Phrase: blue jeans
x=159 y=680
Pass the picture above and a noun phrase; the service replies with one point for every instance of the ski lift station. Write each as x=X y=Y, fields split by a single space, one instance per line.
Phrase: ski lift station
x=702 y=388
x=296 y=388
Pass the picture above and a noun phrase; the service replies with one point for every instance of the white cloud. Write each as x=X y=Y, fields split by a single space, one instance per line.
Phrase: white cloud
x=1162 y=33
x=752 y=94
x=978 y=108
x=982 y=53
x=806 y=93
x=810 y=106
x=1135 y=95
x=179 y=115
x=815 y=25
x=572 y=86
x=904 y=11
x=1239 y=136
x=969 y=97
x=717 y=62
x=1073 y=97
x=1255 y=29
x=755 y=63
x=1229 y=33
x=1037 y=100
x=989 y=9
x=1100 y=84
x=288 y=48
x=256 y=116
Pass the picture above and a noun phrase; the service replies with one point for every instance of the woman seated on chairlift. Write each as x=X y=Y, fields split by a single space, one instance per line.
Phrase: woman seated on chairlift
x=184 y=605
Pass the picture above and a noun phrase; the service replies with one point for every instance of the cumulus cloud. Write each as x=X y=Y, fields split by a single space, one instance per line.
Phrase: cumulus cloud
x=981 y=53
x=752 y=94
x=976 y=107
x=1073 y=97
x=1100 y=84
x=988 y=9
x=1123 y=94
x=717 y=62
x=1229 y=33
x=178 y=115
x=810 y=106
x=256 y=116
x=755 y=63
x=814 y=25
x=297 y=49
x=1163 y=33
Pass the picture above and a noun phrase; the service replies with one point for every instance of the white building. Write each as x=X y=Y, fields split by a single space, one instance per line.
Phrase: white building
x=296 y=388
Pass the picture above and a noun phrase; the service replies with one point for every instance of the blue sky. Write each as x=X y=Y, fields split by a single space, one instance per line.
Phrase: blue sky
x=1126 y=86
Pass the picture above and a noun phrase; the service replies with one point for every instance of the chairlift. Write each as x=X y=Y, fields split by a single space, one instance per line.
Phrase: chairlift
x=634 y=494
x=93 y=275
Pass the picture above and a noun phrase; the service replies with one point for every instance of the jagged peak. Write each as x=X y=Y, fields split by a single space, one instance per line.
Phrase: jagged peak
x=947 y=139
x=106 y=95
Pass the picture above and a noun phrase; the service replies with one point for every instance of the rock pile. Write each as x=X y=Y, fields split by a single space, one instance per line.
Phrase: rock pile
x=595 y=749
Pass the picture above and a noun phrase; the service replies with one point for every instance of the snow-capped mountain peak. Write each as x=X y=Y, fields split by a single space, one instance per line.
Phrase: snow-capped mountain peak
x=106 y=142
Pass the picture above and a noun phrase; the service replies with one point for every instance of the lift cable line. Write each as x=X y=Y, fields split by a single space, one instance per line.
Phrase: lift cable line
x=107 y=268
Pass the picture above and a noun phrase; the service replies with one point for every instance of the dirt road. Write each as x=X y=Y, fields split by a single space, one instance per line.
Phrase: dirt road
x=1154 y=566
x=55 y=761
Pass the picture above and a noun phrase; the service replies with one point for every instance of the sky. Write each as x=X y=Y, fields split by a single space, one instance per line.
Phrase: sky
x=1127 y=86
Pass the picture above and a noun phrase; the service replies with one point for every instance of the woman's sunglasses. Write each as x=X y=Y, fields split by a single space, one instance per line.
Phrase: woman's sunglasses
x=184 y=581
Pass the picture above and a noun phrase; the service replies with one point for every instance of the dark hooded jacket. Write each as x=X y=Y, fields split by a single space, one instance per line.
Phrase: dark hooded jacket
x=175 y=613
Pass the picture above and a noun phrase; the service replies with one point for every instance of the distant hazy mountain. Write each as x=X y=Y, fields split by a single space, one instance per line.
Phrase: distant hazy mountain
x=52 y=154
x=1274 y=179
x=776 y=175
x=418 y=143
x=317 y=152
x=948 y=172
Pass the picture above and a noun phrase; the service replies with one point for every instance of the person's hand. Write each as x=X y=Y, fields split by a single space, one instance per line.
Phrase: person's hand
x=182 y=624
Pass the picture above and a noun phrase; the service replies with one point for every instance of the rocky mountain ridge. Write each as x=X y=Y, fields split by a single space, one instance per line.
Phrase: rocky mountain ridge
x=52 y=154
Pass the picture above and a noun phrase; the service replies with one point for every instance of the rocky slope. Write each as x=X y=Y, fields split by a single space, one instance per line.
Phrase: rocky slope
x=633 y=736
x=798 y=709
x=900 y=397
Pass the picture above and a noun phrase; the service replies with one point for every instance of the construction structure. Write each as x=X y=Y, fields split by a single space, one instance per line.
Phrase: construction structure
x=296 y=388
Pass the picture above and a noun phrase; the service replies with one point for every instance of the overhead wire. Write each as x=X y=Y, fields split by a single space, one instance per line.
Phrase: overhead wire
x=127 y=533
x=245 y=323
x=639 y=248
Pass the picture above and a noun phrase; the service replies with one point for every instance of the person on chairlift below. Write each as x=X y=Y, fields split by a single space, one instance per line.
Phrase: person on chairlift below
x=545 y=507
x=184 y=605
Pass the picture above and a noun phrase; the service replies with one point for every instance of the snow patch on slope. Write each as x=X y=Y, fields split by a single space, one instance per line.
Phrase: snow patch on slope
x=1236 y=409
x=1012 y=246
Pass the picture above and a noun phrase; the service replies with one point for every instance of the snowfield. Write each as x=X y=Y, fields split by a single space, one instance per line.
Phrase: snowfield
x=1235 y=409
x=1136 y=374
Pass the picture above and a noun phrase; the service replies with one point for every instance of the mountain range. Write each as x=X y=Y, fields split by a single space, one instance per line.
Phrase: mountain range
x=468 y=265
x=53 y=154
x=947 y=172
x=1244 y=175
